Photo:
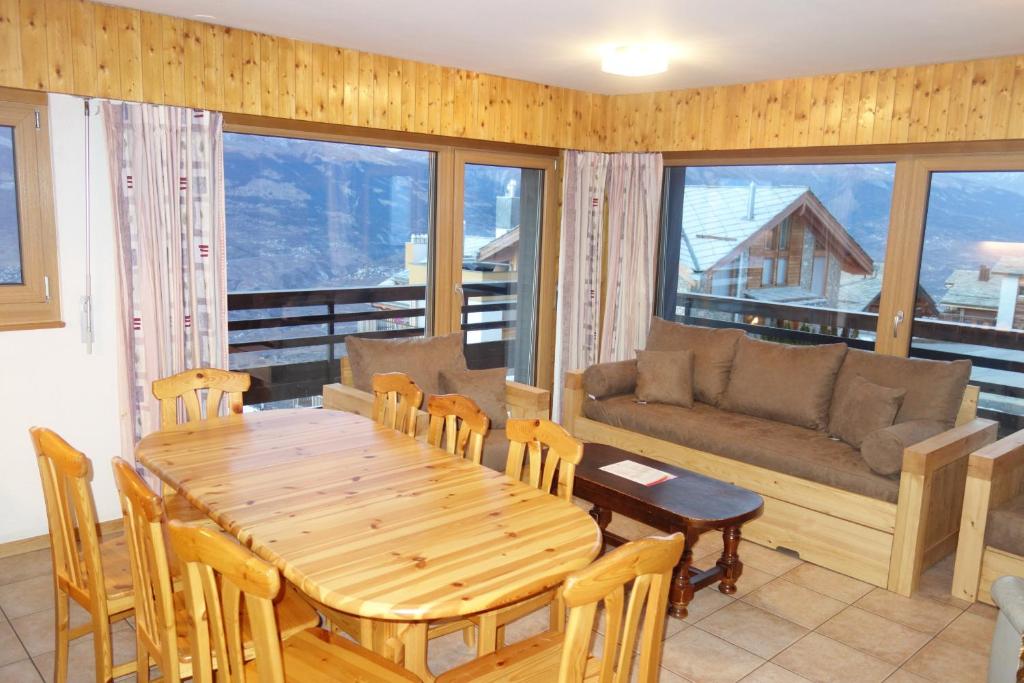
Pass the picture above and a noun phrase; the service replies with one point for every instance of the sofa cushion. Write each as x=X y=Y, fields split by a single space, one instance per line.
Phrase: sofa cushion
x=883 y=449
x=791 y=384
x=610 y=379
x=485 y=387
x=1005 y=529
x=779 y=447
x=422 y=358
x=935 y=389
x=713 y=351
x=665 y=377
x=865 y=408
x=495 y=450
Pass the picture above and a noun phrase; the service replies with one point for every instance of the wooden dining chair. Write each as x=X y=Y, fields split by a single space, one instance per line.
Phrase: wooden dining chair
x=396 y=401
x=565 y=657
x=161 y=620
x=220 y=576
x=553 y=455
x=460 y=423
x=189 y=385
x=94 y=572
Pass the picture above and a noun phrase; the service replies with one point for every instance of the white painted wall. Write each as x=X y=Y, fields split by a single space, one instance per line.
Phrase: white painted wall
x=46 y=376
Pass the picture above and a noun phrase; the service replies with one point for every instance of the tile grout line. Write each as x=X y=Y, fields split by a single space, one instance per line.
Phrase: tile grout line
x=24 y=648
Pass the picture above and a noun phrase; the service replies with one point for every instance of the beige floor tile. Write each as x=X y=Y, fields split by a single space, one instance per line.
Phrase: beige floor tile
x=672 y=625
x=942 y=661
x=704 y=603
x=10 y=647
x=983 y=610
x=22 y=671
x=25 y=566
x=874 y=635
x=533 y=623
x=699 y=656
x=80 y=657
x=753 y=629
x=773 y=673
x=971 y=631
x=822 y=659
x=751 y=579
x=901 y=676
x=795 y=603
x=828 y=582
x=772 y=561
x=27 y=596
x=36 y=630
x=448 y=652
x=937 y=583
x=916 y=612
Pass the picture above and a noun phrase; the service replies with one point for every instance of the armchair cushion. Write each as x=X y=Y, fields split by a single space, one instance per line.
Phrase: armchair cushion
x=865 y=408
x=782 y=382
x=713 y=351
x=665 y=377
x=883 y=449
x=485 y=387
x=422 y=358
x=610 y=379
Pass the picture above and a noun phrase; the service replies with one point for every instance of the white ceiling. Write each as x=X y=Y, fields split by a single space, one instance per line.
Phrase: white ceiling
x=558 y=41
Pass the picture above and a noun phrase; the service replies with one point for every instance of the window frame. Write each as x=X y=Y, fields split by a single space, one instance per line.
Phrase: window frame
x=35 y=303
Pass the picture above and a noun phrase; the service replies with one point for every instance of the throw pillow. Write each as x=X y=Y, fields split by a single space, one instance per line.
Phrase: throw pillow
x=665 y=377
x=422 y=358
x=863 y=408
x=713 y=351
x=486 y=387
x=883 y=450
x=610 y=379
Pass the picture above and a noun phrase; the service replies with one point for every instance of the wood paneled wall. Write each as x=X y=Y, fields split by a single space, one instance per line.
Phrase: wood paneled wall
x=74 y=46
x=84 y=48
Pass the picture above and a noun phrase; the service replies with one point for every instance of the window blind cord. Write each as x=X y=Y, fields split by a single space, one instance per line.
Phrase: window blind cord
x=88 y=333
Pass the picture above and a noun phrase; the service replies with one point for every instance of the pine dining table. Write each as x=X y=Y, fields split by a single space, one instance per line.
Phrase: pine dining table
x=370 y=524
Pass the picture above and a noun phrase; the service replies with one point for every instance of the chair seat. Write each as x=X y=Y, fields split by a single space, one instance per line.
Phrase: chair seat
x=117 y=574
x=177 y=507
x=535 y=660
x=319 y=656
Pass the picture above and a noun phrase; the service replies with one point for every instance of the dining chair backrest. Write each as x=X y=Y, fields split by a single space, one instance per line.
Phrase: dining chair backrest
x=396 y=401
x=460 y=423
x=151 y=575
x=188 y=386
x=219 y=575
x=648 y=564
x=529 y=439
x=71 y=516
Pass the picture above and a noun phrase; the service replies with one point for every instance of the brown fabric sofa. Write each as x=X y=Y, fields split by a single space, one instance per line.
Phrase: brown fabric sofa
x=878 y=509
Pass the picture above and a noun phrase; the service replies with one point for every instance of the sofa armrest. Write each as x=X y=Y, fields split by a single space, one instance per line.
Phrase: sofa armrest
x=928 y=456
x=525 y=401
x=352 y=400
x=1001 y=463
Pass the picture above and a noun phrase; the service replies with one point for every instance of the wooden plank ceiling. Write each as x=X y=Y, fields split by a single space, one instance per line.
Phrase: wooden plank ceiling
x=79 y=47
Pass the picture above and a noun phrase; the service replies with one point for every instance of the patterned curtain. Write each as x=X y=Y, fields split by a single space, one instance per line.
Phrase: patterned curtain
x=634 y=213
x=579 y=276
x=166 y=166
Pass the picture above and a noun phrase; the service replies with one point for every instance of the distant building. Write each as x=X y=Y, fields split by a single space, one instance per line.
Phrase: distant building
x=986 y=296
x=863 y=293
x=773 y=243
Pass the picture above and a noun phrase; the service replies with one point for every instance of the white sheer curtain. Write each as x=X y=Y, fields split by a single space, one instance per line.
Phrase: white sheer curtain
x=579 y=274
x=634 y=211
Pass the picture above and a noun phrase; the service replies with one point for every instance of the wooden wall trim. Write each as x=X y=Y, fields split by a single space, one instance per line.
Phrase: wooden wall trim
x=85 y=48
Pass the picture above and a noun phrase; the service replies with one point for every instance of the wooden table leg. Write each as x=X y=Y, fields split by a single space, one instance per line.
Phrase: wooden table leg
x=730 y=563
x=415 y=642
x=487 y=631
x=681 y=592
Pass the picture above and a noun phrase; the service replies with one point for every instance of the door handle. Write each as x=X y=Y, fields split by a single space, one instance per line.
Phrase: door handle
x=896 y=321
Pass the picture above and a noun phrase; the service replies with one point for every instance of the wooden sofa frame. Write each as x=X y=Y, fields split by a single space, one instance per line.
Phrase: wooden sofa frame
x=523 y=400
x=882 y=543
x=995 y=474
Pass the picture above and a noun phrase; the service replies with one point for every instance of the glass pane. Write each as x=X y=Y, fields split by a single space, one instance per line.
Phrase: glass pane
x=10 y=239
x=502 y=210
x=791 y=253
x=971 y=285
x=324 y=239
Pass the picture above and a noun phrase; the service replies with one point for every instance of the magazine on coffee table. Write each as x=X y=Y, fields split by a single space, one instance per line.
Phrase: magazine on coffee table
x=634 y=471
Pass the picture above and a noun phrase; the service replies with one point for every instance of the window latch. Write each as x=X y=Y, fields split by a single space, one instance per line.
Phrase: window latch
x=39 y=121
x=46 y=287
x=896 y=321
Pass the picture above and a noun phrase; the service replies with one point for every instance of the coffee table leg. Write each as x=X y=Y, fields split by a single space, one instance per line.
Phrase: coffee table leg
x=730 y=563
x=681 y=593
x=603 y=517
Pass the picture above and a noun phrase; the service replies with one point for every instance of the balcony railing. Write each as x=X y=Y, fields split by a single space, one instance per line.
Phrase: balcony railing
x=291 y=341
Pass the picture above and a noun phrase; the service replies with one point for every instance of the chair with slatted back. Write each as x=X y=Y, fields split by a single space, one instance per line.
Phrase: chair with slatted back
x=552 y=455
x=94 y=572
x=459 y=423
x=220 y=576
x=189 y=386
x=565 y=657
x=161 y=621
x=396 y=401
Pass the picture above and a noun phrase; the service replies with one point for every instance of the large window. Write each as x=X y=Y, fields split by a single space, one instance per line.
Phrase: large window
x=324 y=239
x=788 y=252
x=28 y=259
x=972 y=278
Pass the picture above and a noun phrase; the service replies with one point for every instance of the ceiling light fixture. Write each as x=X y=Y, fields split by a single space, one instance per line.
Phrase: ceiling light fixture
x=635 y=60
x=203 y=17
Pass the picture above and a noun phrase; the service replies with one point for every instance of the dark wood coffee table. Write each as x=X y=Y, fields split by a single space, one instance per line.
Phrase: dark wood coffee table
x=690 y=503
